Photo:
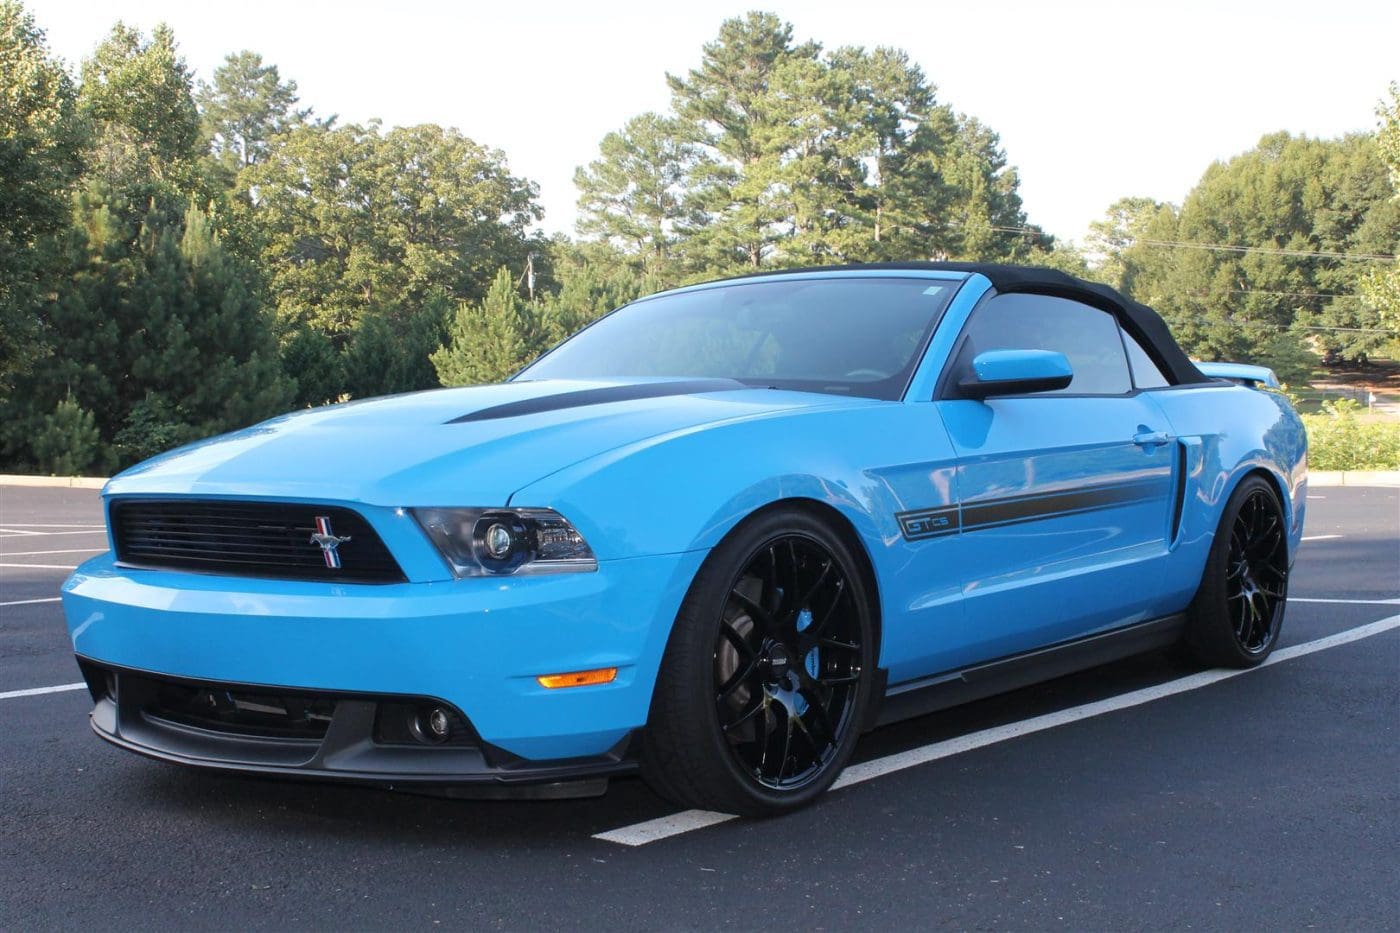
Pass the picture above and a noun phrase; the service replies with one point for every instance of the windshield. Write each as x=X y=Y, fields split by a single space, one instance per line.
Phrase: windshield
x=851 y=336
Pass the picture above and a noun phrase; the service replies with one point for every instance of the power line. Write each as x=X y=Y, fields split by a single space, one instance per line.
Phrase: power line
x=1266 y=325
x=1225 y=247
x=1260 y=291
x=1270 y=250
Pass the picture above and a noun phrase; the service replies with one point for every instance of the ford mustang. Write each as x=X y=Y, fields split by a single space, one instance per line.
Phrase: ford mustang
x=711 y=538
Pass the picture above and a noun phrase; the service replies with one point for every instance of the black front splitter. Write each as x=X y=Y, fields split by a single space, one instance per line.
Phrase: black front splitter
x=134 y=710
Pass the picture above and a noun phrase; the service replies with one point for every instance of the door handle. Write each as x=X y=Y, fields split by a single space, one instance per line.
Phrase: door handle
x=1152 y=438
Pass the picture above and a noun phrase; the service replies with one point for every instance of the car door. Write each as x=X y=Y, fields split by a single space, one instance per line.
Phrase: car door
x=1067 y=495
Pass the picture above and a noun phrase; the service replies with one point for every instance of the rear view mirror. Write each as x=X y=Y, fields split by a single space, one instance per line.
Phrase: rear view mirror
x=1016 y=372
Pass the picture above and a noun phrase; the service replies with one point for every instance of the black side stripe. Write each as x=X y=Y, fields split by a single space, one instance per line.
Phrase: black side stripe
x=624 y=393
x=1015 y=510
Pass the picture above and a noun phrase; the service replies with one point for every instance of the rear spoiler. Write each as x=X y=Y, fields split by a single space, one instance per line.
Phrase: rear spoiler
x=1242 y=374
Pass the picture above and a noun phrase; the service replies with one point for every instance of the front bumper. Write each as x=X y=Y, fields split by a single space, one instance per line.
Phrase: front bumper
x=476 y=645
x=360 y=738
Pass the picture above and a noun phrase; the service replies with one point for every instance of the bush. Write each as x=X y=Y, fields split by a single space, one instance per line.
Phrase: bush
x=66 y=443
x=152 y=427
x=1339 y=440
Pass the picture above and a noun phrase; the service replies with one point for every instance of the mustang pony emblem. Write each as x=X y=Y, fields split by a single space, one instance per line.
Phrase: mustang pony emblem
x=330 y=542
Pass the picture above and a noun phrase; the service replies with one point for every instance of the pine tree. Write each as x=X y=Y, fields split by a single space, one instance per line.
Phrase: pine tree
x=796 y=156
x=633 y=195
x=245 y=105
x=486 y=341
x=161 y=334
x=40 y=156
x=66 y=442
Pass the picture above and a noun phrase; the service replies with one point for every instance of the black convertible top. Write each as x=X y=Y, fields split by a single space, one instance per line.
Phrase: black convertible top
x=1144 y=323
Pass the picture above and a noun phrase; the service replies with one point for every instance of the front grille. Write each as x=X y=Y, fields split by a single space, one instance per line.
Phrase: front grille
x=238 y=711
x=250 y=539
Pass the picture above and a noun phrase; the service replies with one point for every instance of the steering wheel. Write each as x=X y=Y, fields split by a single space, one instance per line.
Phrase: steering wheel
x=865 y=374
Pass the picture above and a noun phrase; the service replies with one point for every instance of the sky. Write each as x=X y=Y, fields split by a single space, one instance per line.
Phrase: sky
x=1093 y=101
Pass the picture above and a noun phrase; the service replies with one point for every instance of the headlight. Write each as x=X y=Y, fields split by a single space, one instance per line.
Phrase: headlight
x=482 y=542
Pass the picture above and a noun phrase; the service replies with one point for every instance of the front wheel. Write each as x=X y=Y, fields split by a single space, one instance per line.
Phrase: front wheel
x=1234 y=620
x=768 y=671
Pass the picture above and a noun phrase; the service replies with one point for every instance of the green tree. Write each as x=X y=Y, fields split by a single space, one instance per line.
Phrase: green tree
x=1269 y=244
x=66 y=442
x=727 y=103
x=138 y=95
x=309 y=357
x=487 y=342
x=908 y=137
x=386 y=356
x=354 y=222
x=794 y=156
x=986 y=214
x=1380 y=286
x=162 y=337
x=40 y=157
x=586 y=293
x=245 y=105
x=1125 y=222
x=633 y=195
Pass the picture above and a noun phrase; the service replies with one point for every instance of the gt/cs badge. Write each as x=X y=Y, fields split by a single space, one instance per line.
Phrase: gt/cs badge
x=928 y=523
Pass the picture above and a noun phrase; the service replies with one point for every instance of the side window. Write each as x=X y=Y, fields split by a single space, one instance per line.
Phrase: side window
x=1146 y=374
x=1087 y=336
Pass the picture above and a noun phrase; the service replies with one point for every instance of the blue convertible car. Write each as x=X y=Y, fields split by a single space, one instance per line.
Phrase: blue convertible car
x=713 y=537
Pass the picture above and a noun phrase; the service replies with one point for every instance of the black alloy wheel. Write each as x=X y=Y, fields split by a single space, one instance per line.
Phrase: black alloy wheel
x=1257 y=574
x=1237 y=614
x=787 y=662
x=768 y=672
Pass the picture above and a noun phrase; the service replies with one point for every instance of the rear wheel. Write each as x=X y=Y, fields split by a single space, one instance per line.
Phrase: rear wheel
x=768 y=671
x=1235 y=618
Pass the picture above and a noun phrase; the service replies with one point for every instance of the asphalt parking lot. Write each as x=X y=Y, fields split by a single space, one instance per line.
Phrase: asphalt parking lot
x=1135 y=796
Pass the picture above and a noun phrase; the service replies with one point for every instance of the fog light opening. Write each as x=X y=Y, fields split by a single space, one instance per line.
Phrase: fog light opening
x=433 y=725
x=602 y=675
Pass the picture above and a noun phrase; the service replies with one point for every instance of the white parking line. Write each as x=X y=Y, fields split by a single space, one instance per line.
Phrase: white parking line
x=71 y=550
x=1347 y=602
x=45 y=566
x=1319 y=537
x=28 y=602
x=640 y=834
x=20 y=532
x=36 y=691
x=54 y=525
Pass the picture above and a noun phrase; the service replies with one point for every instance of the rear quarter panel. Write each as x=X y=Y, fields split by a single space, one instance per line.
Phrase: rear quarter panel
x=1227 y=432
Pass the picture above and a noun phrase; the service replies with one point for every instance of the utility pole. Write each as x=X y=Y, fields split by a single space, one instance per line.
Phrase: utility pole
x=528 y=276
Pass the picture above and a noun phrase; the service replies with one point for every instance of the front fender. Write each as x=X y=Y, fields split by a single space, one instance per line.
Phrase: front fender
x=687 y=490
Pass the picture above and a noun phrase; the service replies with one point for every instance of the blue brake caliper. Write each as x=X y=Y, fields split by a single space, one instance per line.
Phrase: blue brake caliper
x=804 y=620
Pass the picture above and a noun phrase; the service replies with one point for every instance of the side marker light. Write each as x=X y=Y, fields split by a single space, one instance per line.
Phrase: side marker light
x=603 y=675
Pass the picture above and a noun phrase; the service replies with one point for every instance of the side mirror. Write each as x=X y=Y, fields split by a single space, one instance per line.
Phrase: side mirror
x=1016 y=372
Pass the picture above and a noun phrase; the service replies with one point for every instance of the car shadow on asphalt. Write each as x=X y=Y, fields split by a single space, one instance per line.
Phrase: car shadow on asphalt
x=346 y=813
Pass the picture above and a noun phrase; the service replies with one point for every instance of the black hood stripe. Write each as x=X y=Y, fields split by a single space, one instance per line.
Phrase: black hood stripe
x=579 y=399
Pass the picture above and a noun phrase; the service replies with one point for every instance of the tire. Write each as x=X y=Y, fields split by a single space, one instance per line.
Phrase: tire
x=768 y=672
x=1235 y=618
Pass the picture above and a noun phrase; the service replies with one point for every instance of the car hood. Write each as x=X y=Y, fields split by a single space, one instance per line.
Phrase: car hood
x=470 y=446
